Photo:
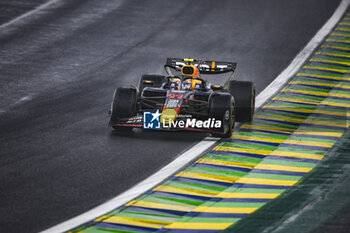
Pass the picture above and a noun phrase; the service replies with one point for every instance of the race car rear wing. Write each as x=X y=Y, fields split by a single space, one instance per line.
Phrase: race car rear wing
x=204 y=67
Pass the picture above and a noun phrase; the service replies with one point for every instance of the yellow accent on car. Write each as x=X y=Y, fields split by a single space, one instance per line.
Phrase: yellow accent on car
x=189 y=59
x=177 y=80
x=168 y=115
x=213 y=66
x=194 y=82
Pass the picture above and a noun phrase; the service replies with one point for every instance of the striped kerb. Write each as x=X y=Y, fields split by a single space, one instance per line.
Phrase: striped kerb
x=286 y=140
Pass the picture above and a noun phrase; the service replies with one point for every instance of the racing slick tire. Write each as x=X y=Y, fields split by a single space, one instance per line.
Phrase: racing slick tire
x=123 y=105
x=222 y=106
x=244 y=94
x=156 y=81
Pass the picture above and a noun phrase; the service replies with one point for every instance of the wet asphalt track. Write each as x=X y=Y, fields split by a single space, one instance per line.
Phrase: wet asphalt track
x=58 y=71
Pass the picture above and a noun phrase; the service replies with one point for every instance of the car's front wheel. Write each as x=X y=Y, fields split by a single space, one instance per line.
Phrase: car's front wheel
x=123 y=105
x=222 y=107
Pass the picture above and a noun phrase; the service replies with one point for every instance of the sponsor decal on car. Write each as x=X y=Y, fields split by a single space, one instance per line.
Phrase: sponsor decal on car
x=135 y=119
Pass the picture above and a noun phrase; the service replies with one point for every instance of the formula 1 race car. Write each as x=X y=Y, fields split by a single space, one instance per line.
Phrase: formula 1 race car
x=183 y=100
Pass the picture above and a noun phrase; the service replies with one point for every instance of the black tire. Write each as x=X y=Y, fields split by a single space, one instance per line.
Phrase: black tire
x=123 y=105
x=244 y=94
x=220 y=105
x=157 y=81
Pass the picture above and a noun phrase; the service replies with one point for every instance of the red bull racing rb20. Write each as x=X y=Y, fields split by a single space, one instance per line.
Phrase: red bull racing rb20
x=183 y=100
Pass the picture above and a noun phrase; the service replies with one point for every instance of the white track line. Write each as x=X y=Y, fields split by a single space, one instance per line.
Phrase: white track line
x=35 y=10
x=205 y=144
x=298 y=61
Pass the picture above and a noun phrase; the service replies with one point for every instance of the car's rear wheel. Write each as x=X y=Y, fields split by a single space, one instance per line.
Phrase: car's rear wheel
x=123 y=105
x=151 y=80
x=222 y=107
x=244 y=94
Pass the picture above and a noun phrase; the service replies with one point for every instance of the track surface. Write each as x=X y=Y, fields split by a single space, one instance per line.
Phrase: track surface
x=58 y=72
